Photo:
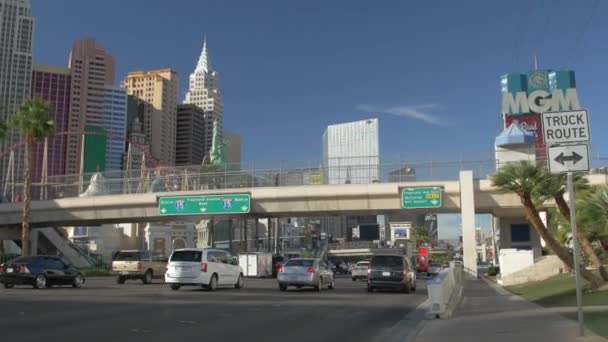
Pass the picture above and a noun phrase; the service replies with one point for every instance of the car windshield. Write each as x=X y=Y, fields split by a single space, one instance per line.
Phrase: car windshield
x=127 y=256
x=387 y=261
x=194 y=256
x=300 y=262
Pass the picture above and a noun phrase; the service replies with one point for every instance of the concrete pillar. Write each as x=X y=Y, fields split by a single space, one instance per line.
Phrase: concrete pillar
x=257 y=234
x=245 y=235
x=467 y=207
x=230 y=234
x=34 y=236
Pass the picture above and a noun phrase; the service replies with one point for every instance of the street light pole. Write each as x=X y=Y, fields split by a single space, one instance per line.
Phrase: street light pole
x=577 y=272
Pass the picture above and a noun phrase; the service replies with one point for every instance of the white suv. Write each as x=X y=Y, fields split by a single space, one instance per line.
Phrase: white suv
x=208 y=268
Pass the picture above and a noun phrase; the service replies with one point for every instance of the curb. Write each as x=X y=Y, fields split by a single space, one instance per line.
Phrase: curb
x=408 y=328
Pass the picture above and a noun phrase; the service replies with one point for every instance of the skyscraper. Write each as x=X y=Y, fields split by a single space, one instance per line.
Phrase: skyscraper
x=204 y=92
x=92 y=70
x=351 y=152
x=233 y=149
x=157 y=91
x=190 y=141
x=16 y=29
x=53 y=85
x=350 y=155
x=115 y=125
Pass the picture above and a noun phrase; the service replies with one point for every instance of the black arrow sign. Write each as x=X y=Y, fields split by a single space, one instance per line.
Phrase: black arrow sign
x=574 y=158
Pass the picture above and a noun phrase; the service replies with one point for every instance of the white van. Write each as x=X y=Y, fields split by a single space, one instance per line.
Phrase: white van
x=206 y=267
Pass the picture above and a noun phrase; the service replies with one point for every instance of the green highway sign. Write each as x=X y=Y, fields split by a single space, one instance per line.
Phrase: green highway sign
x=205 y=204
x=421 y=198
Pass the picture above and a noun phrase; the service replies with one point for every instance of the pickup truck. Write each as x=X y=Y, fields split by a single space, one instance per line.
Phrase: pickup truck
x=138 y=264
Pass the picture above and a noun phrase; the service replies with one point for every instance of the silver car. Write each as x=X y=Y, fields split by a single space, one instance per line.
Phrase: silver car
x=306 y=272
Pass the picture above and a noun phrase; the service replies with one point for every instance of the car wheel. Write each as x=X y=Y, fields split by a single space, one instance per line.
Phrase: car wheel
x=239 y=282
x=332 y=285
x=370 y=289
x=414 y=287
x=354 y=279
x=40 y=281
x=212 y=283
x=282 y=287
x=175 y=287
x=8 y=286
x=78 y=281
x=319 y=285
x=120 y=280
x=406 y=288
x=147 y=279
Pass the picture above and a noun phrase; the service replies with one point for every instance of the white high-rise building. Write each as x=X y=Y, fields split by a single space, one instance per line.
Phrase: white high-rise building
x=351 y=152
x=16 y=29
x=204 y=92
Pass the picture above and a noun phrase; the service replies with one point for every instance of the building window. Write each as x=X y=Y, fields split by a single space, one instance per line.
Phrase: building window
x=520 y=233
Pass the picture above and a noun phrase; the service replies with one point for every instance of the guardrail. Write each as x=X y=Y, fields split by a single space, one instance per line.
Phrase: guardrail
x=445 y=291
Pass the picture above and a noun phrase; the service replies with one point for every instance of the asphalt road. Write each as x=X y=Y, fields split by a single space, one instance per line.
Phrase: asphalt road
x=103 y=310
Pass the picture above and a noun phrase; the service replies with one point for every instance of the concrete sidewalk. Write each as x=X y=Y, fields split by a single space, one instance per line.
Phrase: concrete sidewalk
x=489 y=313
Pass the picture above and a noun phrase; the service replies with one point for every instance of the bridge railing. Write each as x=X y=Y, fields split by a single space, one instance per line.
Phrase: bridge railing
x=424 y=167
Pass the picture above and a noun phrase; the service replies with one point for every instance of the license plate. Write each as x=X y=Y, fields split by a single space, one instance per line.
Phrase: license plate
x=9 y=270
x=184 y=268
x=386 y=274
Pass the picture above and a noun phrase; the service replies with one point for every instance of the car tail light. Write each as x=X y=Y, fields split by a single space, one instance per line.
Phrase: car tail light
x=203 y=267
x=310 y=270
x=1 y=268
x=139 y=266
x=23 y=269
x=280 y=269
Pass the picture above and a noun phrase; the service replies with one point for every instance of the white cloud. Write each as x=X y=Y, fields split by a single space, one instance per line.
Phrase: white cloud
x=418 y=112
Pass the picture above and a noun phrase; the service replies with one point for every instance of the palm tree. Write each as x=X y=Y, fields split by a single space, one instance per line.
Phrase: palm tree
x=598 y=208
x=35 y=125
x=523 y=178
x=554 y=186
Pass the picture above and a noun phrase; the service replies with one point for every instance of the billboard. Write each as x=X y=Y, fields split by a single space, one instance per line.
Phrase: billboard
x=539 y=91
x=532 y=123
x=400 y=230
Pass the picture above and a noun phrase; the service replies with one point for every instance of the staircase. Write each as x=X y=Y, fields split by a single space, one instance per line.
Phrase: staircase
x=52 y=242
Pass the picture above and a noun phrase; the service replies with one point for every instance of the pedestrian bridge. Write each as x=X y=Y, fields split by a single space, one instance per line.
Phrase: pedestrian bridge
x=311 y=200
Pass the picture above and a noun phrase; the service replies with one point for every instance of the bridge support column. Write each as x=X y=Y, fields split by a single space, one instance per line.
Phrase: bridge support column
x=34 y=236
x=467 y=207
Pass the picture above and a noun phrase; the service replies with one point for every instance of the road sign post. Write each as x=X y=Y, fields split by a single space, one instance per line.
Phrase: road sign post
x=577 y=271
x=567 y=135
x=205 y=204
x=421 y=198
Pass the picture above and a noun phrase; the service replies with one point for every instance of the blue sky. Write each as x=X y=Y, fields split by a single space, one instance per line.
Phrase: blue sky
x=429 y=70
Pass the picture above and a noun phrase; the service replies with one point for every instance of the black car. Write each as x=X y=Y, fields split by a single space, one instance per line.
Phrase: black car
x=39 y=272
x=391 y=272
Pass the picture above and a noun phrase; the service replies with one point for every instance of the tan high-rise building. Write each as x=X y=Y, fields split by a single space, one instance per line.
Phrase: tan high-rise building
x=157 y=90
x=92 y=70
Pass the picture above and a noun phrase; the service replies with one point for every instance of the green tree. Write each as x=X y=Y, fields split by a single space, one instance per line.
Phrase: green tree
x=35 y=125
x=523 y=179
x=420 y=235
x=554 y=187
